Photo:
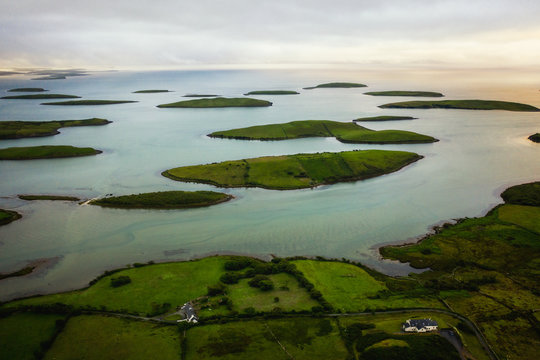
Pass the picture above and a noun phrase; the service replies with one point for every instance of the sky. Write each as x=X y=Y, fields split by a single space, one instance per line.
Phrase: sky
x=169 y=34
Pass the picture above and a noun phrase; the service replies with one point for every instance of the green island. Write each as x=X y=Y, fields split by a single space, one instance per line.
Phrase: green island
x=405 y=93
x=535 y=137
x=480 y=288
x=299 y=171
x=48 y=197
x=150 y=91
x=344 y=132
x=7 y=216
x=343 y=85
x=90 y=102
x=164 y=200
x=384 y=118
x=45 y=152
x=461 y=104
x=199 y=95
x=218 y=102
x=27 y=90
x=41 y=96
x=272 y=92
x=26 y=129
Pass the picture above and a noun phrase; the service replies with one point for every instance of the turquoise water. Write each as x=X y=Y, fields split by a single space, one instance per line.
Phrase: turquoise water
x=479 y=154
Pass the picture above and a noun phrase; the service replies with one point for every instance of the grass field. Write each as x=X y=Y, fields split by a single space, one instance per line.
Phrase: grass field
x=343 y=85
x=48 y=197
x=7 y=216
x=25 y=129
x=272 y=92
x=295 y=171
x=218 y=102
x=405 y=93
x=22 y=334
x=89 y=102
x=41 y=96
x=384 y=118
x=344 y=132
x=150 y=91
x=461 y=104
x=100 y=338
x=349 y=288
x=164 y=200
x=535 y=137
x=496 y=260
x=27 y=90
x=45 y=152
x=302 y=338
x=291 y=296
x=150 y=287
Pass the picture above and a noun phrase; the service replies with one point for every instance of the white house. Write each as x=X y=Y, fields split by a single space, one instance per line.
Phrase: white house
x=188 y=313
x=420 y=325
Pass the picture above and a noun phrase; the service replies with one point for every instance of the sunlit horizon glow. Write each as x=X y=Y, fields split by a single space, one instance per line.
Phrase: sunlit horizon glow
x=169 y=34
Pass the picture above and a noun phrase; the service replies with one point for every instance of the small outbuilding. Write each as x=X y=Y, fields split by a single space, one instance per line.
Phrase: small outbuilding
x=188 y=314
x=420 y=325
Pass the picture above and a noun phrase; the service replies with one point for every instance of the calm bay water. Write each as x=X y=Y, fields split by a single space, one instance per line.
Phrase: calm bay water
x=479 y=154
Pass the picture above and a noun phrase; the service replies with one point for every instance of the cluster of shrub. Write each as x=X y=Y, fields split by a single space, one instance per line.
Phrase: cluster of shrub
x=453 y=284
x=257 y=271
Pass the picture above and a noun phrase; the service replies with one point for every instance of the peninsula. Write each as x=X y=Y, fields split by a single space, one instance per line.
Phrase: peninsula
x=343 y=85
x=461 y=104
x=219 y=102
x=272 y=92
x=297 y=171
x=344 y=132
x=41 y=96
x=45 y=152
x=90 y=102
x=199 y=95
x=164 y=200
x=26 y=129
x=405 y=93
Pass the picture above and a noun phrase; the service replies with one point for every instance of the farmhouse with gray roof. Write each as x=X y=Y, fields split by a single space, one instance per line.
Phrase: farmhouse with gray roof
x=420 y=325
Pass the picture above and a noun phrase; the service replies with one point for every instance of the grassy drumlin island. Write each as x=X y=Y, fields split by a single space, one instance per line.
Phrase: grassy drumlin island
x=344 y=132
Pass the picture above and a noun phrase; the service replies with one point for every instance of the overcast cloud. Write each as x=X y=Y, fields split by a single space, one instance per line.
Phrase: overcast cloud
x=103 y=34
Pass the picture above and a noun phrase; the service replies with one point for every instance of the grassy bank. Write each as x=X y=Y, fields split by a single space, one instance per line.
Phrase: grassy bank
x=45 y=152
x=27 y=90
x=344 y=132
x=272 y=92
x=486 y=269
x=48 y=197
x=296 y=171
x=535 y=137
x=7 y=216
x=384 y=118
x=405 y=93
x=90 y=102
x=25 y=129
x=343 y=85
x=164 y=200
x=218 y=102
x=41 y=96
x=461 y=104
x=150 y=91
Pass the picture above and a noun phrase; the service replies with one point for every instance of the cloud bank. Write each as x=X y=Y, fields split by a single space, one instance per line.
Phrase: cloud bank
x=214 y=33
